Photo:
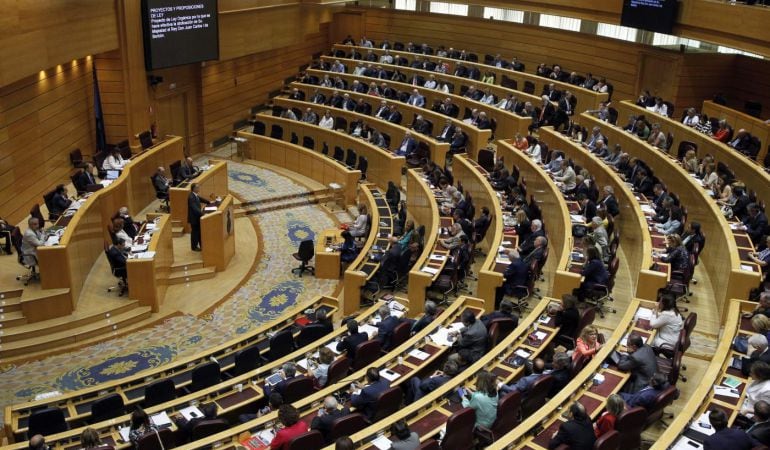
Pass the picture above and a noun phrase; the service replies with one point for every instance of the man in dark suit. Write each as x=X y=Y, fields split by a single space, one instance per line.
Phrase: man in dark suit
x=646 y=397
x=504 y=311
x=561 y=373
x=289 y=372
x=516 y=274
x=546 y=112
x=756 y=223
x=394 y=115
x=407 y=146
x=366 y=400
x=430 y=311
x=116 y=255
x=458 y=142
x=329 y=412
x=129 y=225
x=609 y=203
x=577 y=433
x=587 y=207
x=86 y=177
x=348 y=104
x=296 y=94
x=188 y=171
x=551 y=92
x=757 y=342
x=386 y=327
x=472 y=340
x=60 y=202
x=351 y=341
x=418 y=388
x=447 y=133
x=194 y=214
x=760 y=431
x=528 y=245
x=724 y=437
x=640 y=361
x=318 y=98
x=160 y=181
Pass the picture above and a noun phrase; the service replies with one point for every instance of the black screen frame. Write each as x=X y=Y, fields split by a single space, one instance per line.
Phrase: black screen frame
x=649 y=19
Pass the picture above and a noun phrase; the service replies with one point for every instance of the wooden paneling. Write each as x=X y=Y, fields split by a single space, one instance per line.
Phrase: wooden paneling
x=750 y=81
x=36 y=35
x=700 y=76
x=230 y=88
x=42 y=118
x=109 y=73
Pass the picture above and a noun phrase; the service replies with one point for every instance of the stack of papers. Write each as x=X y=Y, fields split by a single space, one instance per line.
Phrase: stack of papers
x=441 y=336
x=51 y=241
x=523 y=353
x=703 y=419
x=644 y=313
x=747 y=267
x=138 y=248
x=145 y=255
x=210 y=208
x=161 y=419
x=577 y=218
x=726 y=392
x=266 y=436
x=430 y=270
x=419 y=354
x=191 y=412
x=648 y=209
x=371 y=331
x=333 y=347
x=382 y=442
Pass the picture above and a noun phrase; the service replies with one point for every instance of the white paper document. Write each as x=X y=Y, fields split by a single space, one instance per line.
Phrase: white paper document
x=703 y=419
x=419 y=354
x=747 y=267
x=123 y=431
x=726 y=392
x=191 y=412
x=161 y=419
x=210 y=209
x=577 y=218
x=382 y=442
x=333 y=347
x=685 y=443
x=370 y=330
x=266 y=436
x=438 y=257
x=389 y=375
x=430 y=270
x=644 y=313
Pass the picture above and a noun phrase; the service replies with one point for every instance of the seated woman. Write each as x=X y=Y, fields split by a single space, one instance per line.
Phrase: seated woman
x=358 y=228
x=667 y=320
x=588 y=343
x=348 y=250
x=484 y=399
x=594 y=273
x=674 y=223
x=321 y=370
x=692 y=236
x=606 y=422
x=676 y=254
x=140 y=425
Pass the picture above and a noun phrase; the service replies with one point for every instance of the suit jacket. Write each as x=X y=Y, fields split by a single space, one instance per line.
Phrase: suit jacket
x=577 y=435
x=385 y=331
x=589 y=210
x=732 y=438
x=416 y=100
x=526 y=247
x=366 y=400
x=458 y=142
x=411 y=144
x=323 y=423
x=474 y=340
x=85 y=178
x=194 y=210
x=760 y=433
x=561 y=378
x=644 y=398
x=486 y=319
x=116 y=257
x=611 y=205
x=161 y=183
x=187 y=172
x=394 y=117
x=446 y=133
x=755 y=356
x=349 y=344
x=516 y=274
x=642 y=364
x=59 y=203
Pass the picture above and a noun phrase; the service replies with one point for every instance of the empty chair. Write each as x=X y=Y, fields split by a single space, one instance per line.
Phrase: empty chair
x=107 y=407
x=459 y=430
x=76 y=158
x=294 y=138
x=259 y=128
x=46 y=422
x=400 y=334
x=297 y=388
x=630 y=424
x=162 y=440
x=338 y=370
x=339 y=154
x=535 y=397
x=366 y=353
x=503 y=327
x=345 y=426
x=363 y=166
x=310 y=334
x=486 y=159
x=529 y=87
x=608 y=441
x=281 y=344
x=145 y=138
x=310 y=440
x=208 y=427
x=204 y=376
x=308 y=142
x=351 y=158
x=304 y=254
x=158 y=392
x=388 y=403
x=276 y=132
x=246 y=360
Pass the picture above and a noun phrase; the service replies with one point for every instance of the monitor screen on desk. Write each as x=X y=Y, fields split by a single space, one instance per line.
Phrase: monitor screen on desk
x=113 y=174
x=179 y=32
x=652 y=15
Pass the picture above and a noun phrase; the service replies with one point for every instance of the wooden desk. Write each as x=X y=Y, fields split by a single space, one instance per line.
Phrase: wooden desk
x=477 y=138
x=703 y=397
x=438 y=150
x=314 y=165
x=736 y=119
x=720 y=255
x=385 y=165
x=635 y=239
x=555 y=217
x=327 y=263
x=745 y=169
x=148 y=278
x=587 y=98
x=218 y=235
x=421 y=206
x=213 y=181
x=508 y=123
x=363 y=267
x=68 y=264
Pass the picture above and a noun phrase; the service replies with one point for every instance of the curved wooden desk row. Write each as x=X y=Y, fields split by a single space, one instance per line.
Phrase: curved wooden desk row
x=421 y=205
x=635 y=239
x=745 y=169
x=66 y=266
x=587 y=98
x=309 y=163
x=229 y=398
x=363 y=268
x=398 y=360
x=736 y=119
x=703 y=398
x=535 y=432
x=428 y=416
x=508 y=123
x=214 y=181
x=555 y=217
x=438 y=150
x=77 y=404
x=721 y=250
x=477 y=138
x=385 y=165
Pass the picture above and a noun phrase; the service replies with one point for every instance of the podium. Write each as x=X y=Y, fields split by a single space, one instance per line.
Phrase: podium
x=212 y=181
x=218 y=235
x=148 y=277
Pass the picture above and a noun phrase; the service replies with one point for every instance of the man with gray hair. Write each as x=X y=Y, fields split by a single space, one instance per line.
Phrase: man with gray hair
x=758 y=351
x=608 y=202
x=596 y=135
x=386 y=327
x=528 y=245
x=418 y=388
x=289 y=372
x=327 y=414
x=429 y=313
x=561 y=372
x=762 y=308
x=454 y=240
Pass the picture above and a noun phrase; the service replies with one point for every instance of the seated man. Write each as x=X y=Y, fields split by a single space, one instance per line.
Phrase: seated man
x=640 y=361
x=458 y=143
x=366 y=399
x=32 y=239
x=160 y=182
x=116 y=255
x=504 y=312
x=418 y=388
x=289 y=372
x=561 y=373
x=454 y=239
x=724 y=437
x=188 y=171
x=760 y=431
x=524 y=383
x=515 y=276
x=327 y=414
x=430 y=311
x=758 y=343
x=59 y=202
x=577 y=432
x=408 y=145
x=349 y=343
x=472 y=339
x=386 y=327
x=646 y=396
x=130 y=226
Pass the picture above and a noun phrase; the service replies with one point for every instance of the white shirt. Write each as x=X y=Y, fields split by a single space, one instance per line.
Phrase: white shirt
x=386 y=59
x=755 y=391
x=534 y=152
x=488 y=99
x=326 y=122
x=668 y=324
x=114 y=163
x=661 y=109
x=430 y=84
x=691 y=121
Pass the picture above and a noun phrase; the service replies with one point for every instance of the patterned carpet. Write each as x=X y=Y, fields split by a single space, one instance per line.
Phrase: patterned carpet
x=268 y=292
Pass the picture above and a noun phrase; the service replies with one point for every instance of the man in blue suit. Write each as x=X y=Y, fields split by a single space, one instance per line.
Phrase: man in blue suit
x=366 y=400
x=289 y=371
x=646 y=396
x=349 y=343
x=417 y=388
x=732 y=438
x=407 y=145
x=516 y=274
x=386 y=327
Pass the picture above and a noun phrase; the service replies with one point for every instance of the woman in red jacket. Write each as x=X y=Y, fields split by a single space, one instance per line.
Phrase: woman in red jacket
x=606 y=421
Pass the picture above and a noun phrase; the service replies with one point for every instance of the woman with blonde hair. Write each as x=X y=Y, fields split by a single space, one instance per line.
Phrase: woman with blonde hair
x=520 y=142
x=358 y=228
x=606 y=422
x=588 y=343
x=761 y=324
x=690 y=161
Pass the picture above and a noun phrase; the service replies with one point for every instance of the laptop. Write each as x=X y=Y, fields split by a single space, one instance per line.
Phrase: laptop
x=113 y=174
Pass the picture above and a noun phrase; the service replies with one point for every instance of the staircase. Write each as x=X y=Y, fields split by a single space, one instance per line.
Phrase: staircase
x=186 y=272
x=284 y=202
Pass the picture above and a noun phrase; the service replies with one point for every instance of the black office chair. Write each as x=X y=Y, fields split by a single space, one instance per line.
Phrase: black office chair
x=281 y=344
x=47 y=421
x=363 y=165
x=304 y=254
x=118 y=272
x=204 y=376
x=246 y=360
x=158 y=392
x=259 y=128
x=107 y=407
x=28 y=261
x=145 y=138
